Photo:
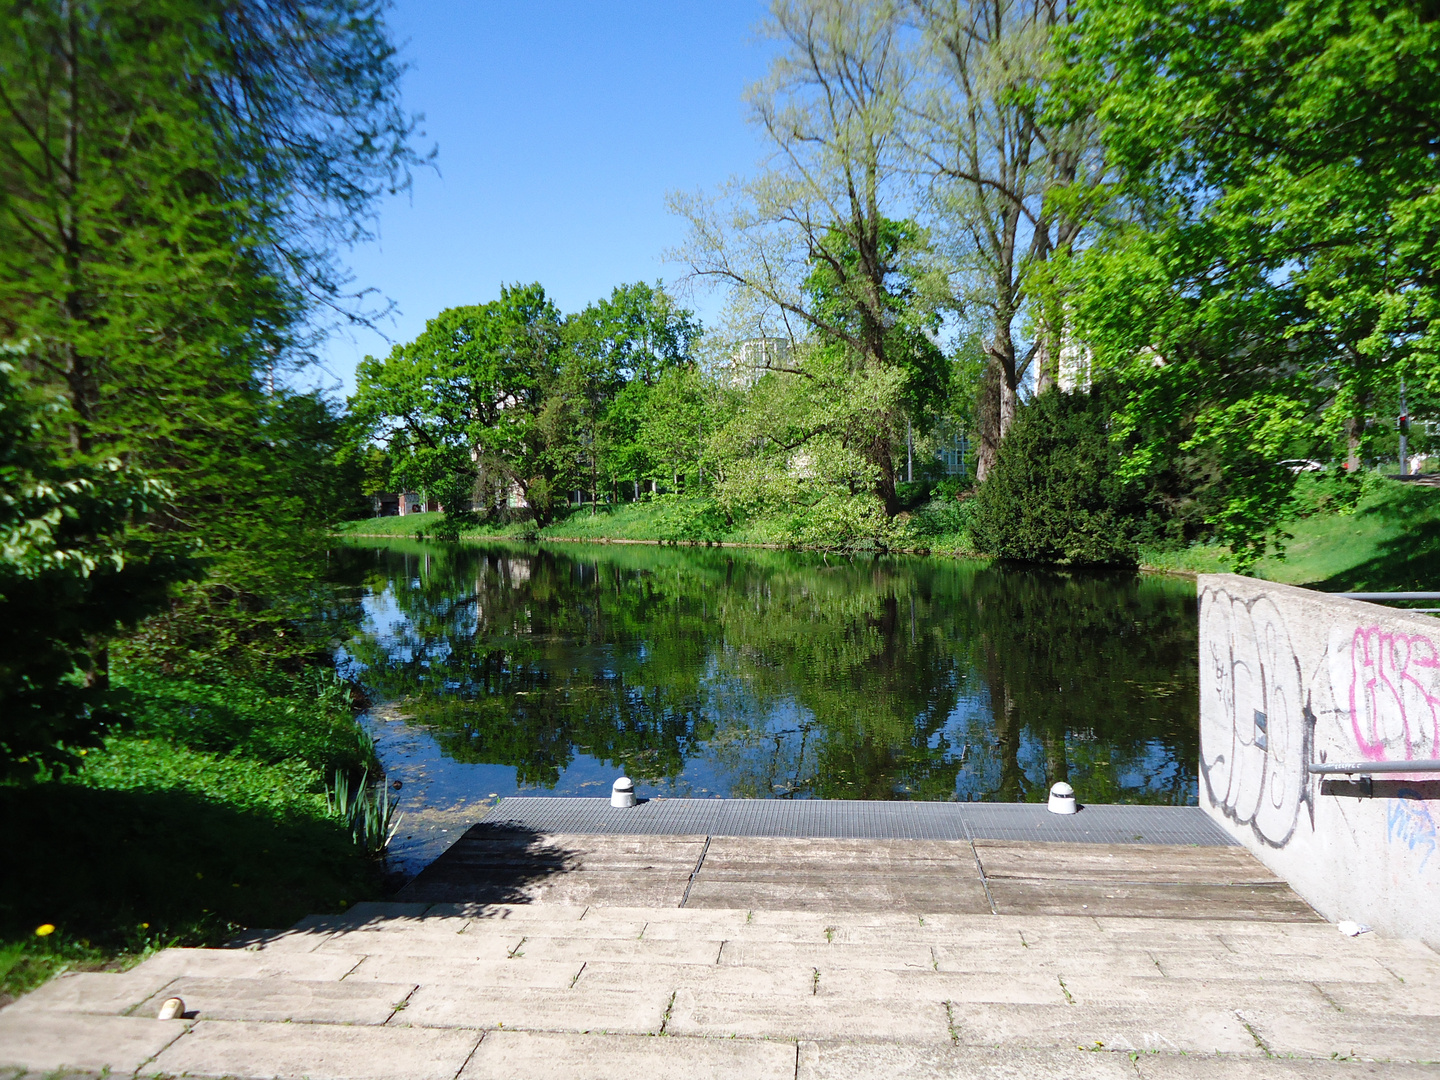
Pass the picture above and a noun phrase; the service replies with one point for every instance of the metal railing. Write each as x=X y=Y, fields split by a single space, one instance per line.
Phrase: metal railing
x=1378 y=767
x=1393 y=596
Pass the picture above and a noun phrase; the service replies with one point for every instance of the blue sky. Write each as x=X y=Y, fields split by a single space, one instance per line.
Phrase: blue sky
x=560 y=128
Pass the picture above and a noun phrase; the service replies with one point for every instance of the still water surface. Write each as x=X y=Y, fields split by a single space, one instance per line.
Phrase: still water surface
x=708 y=672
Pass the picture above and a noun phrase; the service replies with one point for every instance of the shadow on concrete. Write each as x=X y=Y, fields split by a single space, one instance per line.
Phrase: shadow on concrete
x=491 y=864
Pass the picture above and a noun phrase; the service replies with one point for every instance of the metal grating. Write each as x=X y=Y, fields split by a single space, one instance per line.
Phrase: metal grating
x=834 y=818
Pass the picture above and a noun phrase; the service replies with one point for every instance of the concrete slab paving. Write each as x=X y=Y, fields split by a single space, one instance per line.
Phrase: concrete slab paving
x=507 y=1055
x=865 y=1061
x=1173 y=1028
x=91 y=992
x=315 y=1052
x=914 y=955
x=619 y=950
x=242 y=964
x=1323 y=1034
x=432 y=970
x=358 y=943
x=640 y=1011
x=762 y=982
x=284 y=1000
x=46 y=1042
x=1194 y=1067
x=831 y=892
x=1153 y=863
x=1040 y=896
x=718 y=1015
x=1212 y=993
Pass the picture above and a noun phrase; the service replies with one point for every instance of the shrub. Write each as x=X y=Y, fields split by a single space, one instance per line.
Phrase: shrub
x=1055 y=494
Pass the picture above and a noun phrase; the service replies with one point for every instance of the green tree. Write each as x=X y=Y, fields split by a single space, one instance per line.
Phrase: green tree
x=832 y=107
x=175 y=180
x=462 y=408
x=72 y=576
x=1055 y=493
x=1270 y=273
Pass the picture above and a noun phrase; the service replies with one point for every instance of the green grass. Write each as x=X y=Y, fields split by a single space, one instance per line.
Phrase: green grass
x=1388 y=540
x=937 y=527
x=208 y=816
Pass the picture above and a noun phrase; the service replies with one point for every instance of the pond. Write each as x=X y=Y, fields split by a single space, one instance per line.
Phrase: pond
x=705 y=672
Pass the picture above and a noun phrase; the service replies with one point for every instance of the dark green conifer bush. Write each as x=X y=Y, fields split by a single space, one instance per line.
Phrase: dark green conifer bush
x=1055 y=494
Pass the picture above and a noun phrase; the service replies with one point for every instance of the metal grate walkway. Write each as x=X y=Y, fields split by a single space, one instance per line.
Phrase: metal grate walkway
x=835 y=818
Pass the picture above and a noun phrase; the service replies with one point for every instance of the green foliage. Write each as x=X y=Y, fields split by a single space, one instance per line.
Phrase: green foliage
x=1269 y=274
x=211 y=815
x=941 y=517
x=71 y=577
x=1056 y=494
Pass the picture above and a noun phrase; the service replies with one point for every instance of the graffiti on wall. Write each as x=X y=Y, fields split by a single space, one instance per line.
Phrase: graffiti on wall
x=1256 y=725
x=1265 y=714
x=1390 y=683
x=1411 y=822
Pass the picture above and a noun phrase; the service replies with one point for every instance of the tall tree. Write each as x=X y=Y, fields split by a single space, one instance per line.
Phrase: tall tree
x=1279 y=270
x=1013 y=168
x=463 y=407
x=831 y=109
x=177 y=178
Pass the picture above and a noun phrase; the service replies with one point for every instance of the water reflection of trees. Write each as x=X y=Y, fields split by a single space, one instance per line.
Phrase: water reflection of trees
x=789 y=674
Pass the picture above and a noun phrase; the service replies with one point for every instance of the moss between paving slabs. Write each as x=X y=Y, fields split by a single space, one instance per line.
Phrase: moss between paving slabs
x=208 y=816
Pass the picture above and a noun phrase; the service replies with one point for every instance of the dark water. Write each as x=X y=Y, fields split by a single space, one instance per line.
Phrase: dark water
x=762 y=674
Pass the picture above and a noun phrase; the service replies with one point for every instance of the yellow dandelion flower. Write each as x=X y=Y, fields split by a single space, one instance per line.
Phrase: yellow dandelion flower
x=44 y=929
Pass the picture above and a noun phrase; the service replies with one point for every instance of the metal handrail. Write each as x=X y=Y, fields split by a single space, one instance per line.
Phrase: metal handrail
x=1389 y=595
x=1426 y=765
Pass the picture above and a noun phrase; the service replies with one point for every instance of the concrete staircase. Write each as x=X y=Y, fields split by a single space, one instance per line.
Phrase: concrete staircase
x=544 y=990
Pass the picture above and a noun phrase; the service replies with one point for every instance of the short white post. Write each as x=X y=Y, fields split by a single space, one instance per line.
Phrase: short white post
x=622 y=792
x=1062 y=798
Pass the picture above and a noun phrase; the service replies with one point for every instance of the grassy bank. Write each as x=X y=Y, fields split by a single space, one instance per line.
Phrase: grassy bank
x=1387 y=540
x=936 y=526
x=210 y=814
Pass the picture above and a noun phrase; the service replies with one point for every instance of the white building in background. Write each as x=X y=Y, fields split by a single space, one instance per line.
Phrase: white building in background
x=753 y=358
x=1073 y=370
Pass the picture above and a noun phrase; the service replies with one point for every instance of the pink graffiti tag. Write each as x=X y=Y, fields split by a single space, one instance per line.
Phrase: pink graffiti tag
x=1393 y=711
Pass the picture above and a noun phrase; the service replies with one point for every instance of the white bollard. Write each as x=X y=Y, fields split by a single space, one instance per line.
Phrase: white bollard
x=1062 y=798
x=622 y=793
x=171 y=1009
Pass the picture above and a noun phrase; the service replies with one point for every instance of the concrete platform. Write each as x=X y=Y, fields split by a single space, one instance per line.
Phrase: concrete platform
x=527 y=992
x=532 y=955
x=496 y=864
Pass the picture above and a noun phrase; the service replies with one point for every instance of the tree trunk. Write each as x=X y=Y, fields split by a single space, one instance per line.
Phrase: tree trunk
x=987 y=410
x=1354 y=425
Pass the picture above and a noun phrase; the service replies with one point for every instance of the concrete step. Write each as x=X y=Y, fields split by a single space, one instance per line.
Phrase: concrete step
x=280 y=1000
x=319 y=1051
x=420 y=990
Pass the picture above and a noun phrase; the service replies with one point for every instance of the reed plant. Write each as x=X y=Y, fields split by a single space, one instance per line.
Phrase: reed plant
x=366 y=808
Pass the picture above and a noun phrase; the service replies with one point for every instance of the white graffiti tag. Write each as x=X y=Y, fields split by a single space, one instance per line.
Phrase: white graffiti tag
x=1255 y=729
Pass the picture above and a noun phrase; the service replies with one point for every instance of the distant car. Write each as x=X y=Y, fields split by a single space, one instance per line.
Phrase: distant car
x=1299 y=465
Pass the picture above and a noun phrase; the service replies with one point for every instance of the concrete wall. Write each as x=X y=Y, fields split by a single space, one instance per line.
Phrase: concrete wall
x=1289 y=676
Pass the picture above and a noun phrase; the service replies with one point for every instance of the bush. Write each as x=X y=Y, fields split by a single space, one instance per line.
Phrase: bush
x=1055 y=494
x=941 y=517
